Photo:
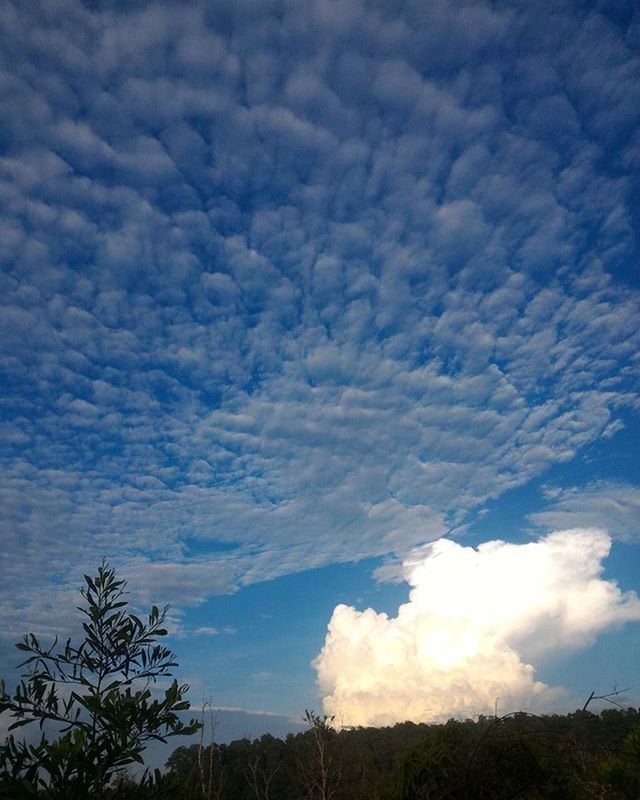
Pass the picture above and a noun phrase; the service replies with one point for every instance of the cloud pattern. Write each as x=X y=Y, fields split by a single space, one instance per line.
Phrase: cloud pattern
x=600 y=503
x=305 y=282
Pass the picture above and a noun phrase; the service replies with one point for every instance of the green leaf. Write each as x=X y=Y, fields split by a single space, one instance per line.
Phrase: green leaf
x=19 y=724
x=105 y=727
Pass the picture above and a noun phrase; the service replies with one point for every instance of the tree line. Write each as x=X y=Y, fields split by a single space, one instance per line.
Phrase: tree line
x=578 y=756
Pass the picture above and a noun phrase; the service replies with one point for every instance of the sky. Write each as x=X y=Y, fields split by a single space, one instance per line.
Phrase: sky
x=319 y=321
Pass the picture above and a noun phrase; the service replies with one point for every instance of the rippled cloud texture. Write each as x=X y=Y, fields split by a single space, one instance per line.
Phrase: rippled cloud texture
x=286 y=284
x=475 y=624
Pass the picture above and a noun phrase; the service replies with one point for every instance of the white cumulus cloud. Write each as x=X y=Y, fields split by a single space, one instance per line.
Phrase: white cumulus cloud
x=474 y=621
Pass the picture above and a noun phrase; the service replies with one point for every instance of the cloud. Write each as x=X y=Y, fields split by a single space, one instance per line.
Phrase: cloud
x=310 y=284
x=615 y=505
x=205 y=630
x=475 y=622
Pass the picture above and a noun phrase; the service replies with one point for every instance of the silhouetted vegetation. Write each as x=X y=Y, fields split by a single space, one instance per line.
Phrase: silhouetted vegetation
x=88 y=693
x=580 y=756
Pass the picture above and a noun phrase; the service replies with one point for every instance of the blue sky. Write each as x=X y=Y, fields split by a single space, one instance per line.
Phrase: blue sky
x=291 y=289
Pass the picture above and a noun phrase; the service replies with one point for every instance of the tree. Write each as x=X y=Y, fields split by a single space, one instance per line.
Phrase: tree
x=318 y=767
x=88 y=692
x=263 y=767
x=622 y=771
x=212 y=776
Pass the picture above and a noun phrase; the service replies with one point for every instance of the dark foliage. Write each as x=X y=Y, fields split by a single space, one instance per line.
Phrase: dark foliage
x=579 y=756
x=89 y=694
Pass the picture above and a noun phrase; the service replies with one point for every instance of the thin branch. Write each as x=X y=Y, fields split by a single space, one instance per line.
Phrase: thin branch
x=607 y=697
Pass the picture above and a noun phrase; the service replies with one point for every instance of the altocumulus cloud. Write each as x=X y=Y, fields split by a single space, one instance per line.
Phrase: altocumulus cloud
x=285 y=284
x=474 y=620
x=611 y=504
